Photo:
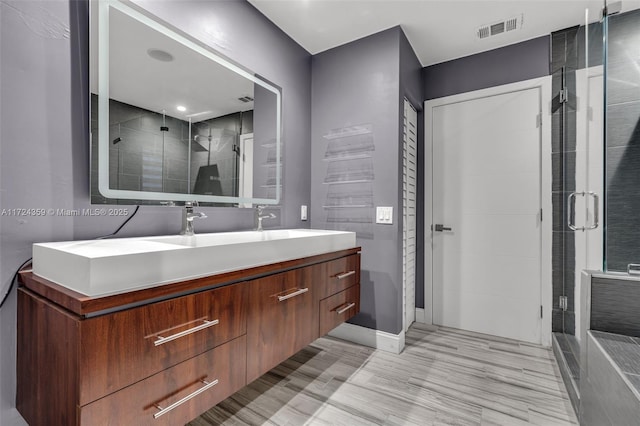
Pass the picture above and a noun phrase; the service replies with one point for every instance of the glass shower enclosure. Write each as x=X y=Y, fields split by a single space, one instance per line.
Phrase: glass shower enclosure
x=596 y=161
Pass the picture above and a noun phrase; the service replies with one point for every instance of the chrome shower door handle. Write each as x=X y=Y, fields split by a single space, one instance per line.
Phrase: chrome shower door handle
x=571 y=210
x=596 y=210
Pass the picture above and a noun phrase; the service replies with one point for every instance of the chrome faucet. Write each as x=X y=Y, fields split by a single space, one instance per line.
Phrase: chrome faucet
x=187 y=217
x=260 y=216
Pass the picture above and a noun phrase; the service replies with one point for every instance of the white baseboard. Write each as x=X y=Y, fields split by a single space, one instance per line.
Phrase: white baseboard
x=368 y=337
x=420 y=316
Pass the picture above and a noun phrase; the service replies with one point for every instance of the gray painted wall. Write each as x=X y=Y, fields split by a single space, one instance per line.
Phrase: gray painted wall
x=509 y=64
x=44 y=148
x=362 y=84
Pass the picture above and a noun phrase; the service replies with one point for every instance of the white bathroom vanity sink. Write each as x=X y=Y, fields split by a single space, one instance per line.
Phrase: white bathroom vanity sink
x=102 y=267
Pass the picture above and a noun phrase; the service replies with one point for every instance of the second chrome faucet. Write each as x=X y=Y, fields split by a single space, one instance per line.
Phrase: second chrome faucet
x=260 y=216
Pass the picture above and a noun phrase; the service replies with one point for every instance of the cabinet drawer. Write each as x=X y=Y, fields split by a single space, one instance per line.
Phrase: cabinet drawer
x=125 y=347
x=338 y=308
x=176 y=395
x=339 y=274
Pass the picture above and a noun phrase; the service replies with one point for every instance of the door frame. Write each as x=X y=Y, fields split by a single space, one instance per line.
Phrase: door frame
x=543 y=85
x=245 y=172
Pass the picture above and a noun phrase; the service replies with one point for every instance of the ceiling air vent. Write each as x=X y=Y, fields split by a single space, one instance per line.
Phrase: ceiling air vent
x=500 y=27
x=246 y=99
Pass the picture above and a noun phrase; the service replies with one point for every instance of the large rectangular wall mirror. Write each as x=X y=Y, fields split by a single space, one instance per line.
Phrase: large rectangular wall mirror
x=173 y=120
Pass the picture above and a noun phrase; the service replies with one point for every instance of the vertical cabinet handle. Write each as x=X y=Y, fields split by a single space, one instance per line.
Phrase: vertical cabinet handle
x=207 y=385
x=206 y=324
x=294 y=294
x=346 y=308
x=345 y=275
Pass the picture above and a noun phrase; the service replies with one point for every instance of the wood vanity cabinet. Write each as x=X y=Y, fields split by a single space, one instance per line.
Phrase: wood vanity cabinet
x=164 y=355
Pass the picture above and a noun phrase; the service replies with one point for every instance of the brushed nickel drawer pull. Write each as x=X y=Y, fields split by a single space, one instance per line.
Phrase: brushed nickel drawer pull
x=206 y=324
x=345 y=275
x=207 y=385
x=294 y=294
x=346 y=308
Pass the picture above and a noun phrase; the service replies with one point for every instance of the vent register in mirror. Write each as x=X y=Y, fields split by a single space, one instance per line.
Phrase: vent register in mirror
x=173 y=120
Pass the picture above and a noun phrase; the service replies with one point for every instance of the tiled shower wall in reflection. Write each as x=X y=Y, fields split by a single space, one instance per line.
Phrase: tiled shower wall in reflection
x=144 y=158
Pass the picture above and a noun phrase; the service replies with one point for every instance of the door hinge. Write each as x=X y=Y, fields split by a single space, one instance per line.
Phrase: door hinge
x=563 y=96
x=540 y=311
x=539 y=120
x=540 y=215
x=563 y=303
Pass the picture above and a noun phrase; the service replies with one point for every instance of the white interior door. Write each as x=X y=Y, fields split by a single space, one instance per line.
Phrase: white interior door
x=487 y=189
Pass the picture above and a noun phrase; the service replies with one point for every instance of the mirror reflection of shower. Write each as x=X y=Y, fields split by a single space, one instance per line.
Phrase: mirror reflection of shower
x=215 y=153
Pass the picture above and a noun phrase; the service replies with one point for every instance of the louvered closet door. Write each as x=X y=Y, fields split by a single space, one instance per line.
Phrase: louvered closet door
x=409 y=172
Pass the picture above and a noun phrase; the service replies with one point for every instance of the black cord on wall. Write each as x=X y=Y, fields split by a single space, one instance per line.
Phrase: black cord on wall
x=13 y=280
x=15 y=276
x=121 y=226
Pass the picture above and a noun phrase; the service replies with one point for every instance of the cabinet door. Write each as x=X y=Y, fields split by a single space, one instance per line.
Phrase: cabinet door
x=283 y=319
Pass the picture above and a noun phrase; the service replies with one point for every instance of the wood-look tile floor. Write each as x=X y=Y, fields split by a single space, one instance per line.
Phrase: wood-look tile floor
x=443 y=377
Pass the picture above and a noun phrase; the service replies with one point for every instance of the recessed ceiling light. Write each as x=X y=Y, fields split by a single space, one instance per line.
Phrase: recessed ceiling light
x=160 y=55
x=181 y=108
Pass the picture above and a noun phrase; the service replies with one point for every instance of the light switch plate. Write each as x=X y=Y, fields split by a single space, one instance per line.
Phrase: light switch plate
x=384 y=215
x=303 y=212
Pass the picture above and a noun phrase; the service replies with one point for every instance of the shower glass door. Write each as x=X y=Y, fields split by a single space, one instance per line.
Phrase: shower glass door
x=578 y=176
x=622 y=140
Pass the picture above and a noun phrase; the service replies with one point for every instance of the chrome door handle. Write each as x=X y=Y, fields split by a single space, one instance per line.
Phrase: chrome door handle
x=596 y=210
x=441 y=228
x=571 y=211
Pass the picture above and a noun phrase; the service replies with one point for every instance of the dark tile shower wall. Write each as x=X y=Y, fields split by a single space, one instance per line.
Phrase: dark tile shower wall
x=622 y=154
x=564 y=60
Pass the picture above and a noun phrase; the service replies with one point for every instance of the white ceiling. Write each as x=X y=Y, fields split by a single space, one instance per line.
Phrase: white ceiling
x=438 y=30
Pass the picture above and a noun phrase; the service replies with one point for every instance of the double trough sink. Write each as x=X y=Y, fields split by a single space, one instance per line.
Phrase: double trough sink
x=104 y=267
